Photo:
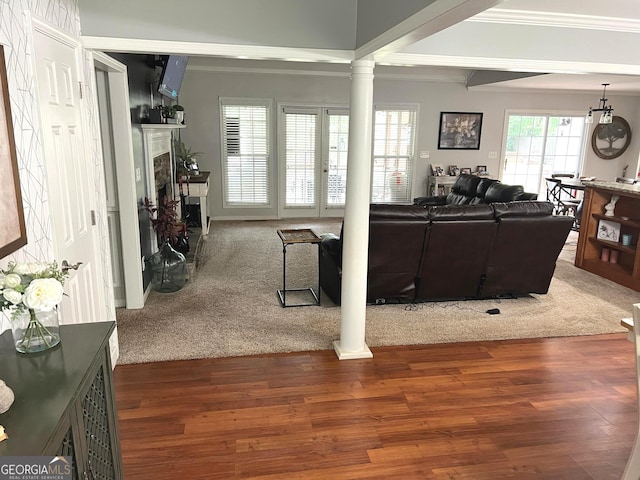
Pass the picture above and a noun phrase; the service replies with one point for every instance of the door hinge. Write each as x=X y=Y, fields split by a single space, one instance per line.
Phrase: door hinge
x=93 y=217
x=80 y=85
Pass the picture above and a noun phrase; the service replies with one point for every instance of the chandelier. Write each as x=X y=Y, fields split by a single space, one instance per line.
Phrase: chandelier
x=606 y=116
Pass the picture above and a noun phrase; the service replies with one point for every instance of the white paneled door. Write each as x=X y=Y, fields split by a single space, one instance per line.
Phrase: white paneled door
x=70 y=189
x=314 y=161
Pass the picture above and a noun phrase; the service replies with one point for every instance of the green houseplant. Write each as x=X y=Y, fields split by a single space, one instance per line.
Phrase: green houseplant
x=186 y=159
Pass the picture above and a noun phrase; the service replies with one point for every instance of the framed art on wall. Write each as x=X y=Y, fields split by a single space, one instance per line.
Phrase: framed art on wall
x=610 y=140
x=13 y=234
x=459 y=131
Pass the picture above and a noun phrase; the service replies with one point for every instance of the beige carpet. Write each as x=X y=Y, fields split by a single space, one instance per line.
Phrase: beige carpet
x=231 y=308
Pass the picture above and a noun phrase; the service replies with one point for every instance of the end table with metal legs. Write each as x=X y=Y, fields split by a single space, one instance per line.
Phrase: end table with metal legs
x=292 y=237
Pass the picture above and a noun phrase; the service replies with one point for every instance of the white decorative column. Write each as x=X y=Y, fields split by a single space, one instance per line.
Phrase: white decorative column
x=356 y=216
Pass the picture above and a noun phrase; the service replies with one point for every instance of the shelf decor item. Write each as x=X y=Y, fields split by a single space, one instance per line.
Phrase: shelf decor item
x=610 y=207
x=6 y=397
x=608 y=230
x=29 y=296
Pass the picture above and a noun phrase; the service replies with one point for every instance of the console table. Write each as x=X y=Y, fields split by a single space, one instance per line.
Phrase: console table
x=437 y=182
x=198 y=186
x=64 y=402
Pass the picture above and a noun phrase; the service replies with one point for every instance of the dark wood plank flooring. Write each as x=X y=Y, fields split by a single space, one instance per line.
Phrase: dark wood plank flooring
x=562 y=408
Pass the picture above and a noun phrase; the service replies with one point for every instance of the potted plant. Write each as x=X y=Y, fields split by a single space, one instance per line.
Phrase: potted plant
x=173 y=112
x=178 y=113
x=168 y=265
x=187 y=163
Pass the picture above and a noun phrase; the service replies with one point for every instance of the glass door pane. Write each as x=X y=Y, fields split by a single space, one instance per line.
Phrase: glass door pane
x=540 y=145
x=337 y=140
x=300 y=160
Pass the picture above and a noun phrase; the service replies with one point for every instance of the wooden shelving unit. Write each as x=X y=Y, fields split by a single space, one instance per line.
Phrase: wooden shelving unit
x=627 y=214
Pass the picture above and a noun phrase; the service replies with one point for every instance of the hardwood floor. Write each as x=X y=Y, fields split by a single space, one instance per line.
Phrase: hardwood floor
x=562 y=408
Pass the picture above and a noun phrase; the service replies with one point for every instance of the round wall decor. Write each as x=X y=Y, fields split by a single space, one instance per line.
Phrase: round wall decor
x=610 y=140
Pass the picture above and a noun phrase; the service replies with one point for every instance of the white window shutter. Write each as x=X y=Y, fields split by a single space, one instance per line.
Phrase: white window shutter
x=246 y=154
x=393 y=155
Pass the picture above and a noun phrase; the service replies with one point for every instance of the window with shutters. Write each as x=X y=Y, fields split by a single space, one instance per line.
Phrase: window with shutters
x=246 y=152
x=393 y=154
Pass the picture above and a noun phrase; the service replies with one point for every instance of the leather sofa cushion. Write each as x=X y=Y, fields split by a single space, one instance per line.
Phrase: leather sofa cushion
x=522 y=209
x=484 y=185
x=463 y=190
x=499 y=192
x=448 y=213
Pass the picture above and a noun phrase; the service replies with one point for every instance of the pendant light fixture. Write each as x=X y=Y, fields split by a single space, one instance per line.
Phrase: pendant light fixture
x=607 y=116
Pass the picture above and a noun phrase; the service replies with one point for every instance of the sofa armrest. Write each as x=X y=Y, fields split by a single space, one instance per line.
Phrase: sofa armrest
x=430 y=201
x=332 y=246
x=331 y=266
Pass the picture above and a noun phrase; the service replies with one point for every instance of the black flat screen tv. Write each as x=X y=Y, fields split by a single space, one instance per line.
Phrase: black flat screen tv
x=172 y=74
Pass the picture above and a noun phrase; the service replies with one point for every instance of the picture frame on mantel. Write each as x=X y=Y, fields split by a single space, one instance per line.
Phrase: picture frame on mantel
x=13 y=232
x=459 y=131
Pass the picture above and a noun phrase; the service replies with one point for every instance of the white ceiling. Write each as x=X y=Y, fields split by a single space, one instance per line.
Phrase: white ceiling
x=600 y=19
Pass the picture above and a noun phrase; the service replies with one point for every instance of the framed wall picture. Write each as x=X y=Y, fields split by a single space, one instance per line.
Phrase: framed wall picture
x=13 y=234
x=610 y=140
x=459 y=131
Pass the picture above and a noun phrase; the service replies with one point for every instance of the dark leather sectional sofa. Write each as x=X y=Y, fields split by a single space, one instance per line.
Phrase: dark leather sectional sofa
x=471 y=190
x=446 y=252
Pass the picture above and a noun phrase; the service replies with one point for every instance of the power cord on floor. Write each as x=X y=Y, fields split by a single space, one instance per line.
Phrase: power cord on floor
x=413 y=307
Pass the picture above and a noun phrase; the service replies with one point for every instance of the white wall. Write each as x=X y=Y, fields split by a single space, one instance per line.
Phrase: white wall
x=201 y=90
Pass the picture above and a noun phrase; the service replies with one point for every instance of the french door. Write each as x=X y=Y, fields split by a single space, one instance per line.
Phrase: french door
x=313 y=161
x=538 y=145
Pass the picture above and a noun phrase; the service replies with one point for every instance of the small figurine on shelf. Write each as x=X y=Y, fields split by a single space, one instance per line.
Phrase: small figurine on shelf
x=609 y=207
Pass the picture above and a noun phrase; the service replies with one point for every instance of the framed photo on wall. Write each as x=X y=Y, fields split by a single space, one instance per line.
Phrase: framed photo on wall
x=13 y=234
x=459 y=131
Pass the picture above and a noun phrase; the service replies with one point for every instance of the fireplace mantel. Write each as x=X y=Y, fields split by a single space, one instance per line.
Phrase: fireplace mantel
x=157 y=142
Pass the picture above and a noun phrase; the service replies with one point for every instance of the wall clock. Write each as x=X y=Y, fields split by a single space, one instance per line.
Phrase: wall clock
x=610 y=140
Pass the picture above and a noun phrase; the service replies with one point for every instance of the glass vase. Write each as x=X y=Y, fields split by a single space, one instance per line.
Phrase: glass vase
x=168 y=269
x=35 y=330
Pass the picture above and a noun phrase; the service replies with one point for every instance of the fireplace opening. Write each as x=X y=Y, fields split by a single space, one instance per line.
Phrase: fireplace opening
x=162 y=192
x=162 y=174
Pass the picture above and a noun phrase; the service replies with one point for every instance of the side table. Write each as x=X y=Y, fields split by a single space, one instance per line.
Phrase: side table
x=292 y=237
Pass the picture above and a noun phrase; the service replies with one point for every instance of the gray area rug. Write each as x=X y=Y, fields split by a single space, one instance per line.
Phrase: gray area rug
x=231 y=308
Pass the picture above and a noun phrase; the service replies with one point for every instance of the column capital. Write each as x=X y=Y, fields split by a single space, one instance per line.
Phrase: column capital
x=362 y=67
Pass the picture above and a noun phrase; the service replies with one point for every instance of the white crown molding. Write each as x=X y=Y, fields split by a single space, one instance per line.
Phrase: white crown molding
x=251 y=52
x=558 y=20
x=266 y=71
x=419 y=77
x=511 y=64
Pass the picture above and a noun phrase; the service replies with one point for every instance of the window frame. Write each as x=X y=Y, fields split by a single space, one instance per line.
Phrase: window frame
x=415 y=108
x=271 y=157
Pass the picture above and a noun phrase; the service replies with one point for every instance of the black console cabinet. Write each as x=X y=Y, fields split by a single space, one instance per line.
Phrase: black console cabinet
x=64 y=402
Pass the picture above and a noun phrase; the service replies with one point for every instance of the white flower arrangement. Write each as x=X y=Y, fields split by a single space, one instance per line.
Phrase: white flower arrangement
x=31 y=286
